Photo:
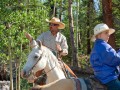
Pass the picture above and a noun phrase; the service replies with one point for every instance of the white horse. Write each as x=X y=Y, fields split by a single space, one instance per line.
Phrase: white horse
x=42 y=58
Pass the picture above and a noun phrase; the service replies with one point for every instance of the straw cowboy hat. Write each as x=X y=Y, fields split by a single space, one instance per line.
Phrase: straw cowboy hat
x=101 y=28
x=55 y=20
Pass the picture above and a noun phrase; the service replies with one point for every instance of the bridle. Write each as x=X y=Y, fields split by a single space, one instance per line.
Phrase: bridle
x=31 y=70
x=44 y=73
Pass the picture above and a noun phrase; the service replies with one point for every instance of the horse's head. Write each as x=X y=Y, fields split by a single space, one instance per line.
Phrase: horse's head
x=36 y=60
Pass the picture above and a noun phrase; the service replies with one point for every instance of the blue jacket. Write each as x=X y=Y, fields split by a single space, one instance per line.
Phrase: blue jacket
x=104 y=61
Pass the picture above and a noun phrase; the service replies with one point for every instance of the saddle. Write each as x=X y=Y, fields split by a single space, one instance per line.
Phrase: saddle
x=89 y=83
x=94 y=83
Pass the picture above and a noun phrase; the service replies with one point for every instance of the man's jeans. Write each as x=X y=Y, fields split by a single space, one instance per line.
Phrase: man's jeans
x=113 y=85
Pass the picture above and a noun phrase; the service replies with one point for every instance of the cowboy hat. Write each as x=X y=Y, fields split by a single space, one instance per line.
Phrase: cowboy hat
x=55 y=20
x=101 y=28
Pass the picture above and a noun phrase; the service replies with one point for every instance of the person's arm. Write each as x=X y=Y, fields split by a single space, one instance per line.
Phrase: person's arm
x=62 y=47
x=118 y=52
x=111 y=57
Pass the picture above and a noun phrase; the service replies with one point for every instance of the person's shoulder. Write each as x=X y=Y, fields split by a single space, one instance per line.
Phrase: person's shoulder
x=99 y=45
x=102 y=45
x=105 y=45
x=101 y=42
x=44 y=33
x=61 y=35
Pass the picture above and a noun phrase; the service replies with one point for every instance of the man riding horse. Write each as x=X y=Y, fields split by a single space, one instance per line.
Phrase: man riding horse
x=54 y=40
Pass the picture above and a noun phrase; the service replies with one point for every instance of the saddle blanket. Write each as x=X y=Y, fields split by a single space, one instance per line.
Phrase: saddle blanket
x=80 y=84
x=87 y=84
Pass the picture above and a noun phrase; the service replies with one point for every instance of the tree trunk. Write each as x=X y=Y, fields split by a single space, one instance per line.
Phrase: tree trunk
x=77 y=26
x=60 y=13
x=16 y=77
x=88 y=25
x=89 y=8
x=54 y=9
x=10 y=58
x=19 y=63
x=74 y=50
x=108 y=19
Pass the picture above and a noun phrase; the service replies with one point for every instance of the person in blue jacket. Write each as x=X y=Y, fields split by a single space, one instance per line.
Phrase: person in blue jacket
x=104 y=59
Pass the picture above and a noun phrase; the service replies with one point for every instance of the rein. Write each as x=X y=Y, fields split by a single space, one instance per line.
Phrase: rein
x=30 y=71
x=48 y=71
x=51 y=69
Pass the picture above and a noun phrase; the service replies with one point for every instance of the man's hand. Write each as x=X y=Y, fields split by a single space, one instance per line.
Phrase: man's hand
x=59 y=49
x=28 y=36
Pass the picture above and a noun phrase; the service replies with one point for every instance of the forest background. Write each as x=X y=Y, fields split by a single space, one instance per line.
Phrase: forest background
x=79 y=16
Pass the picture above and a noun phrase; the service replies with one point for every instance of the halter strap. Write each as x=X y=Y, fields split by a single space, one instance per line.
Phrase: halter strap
x=34 y=65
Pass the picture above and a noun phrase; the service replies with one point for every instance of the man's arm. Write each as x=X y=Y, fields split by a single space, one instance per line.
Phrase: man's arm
x=64 y=47
x=61 y=51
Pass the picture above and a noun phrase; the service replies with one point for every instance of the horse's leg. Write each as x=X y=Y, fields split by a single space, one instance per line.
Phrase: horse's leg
x=63 y=84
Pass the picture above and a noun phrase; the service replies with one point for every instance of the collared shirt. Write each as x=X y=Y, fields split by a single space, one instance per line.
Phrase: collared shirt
x=50 y=41
x=104 y=61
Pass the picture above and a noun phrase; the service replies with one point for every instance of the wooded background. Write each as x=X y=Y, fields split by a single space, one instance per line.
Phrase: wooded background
x=79 y=16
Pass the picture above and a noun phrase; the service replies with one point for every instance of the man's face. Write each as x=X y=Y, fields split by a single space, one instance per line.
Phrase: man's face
x=53 y=27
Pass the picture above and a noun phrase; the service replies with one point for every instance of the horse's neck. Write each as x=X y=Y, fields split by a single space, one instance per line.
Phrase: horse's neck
x=53 y=69
x=52 y=64
x=52 y=60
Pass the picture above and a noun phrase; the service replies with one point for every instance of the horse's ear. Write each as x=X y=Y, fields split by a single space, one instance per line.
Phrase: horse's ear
x=39 y=43
x=33 y=43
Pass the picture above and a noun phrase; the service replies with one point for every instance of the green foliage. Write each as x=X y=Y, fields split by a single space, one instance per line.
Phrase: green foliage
x=83 y=61
x=29 y=16
x=16 y=19
x=116 y=11
x=25 y=85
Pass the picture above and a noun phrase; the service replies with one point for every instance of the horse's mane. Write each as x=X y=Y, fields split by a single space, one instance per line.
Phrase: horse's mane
x=48 y=52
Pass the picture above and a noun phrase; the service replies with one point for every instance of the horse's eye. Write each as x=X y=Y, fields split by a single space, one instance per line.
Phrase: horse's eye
x=36 y=57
